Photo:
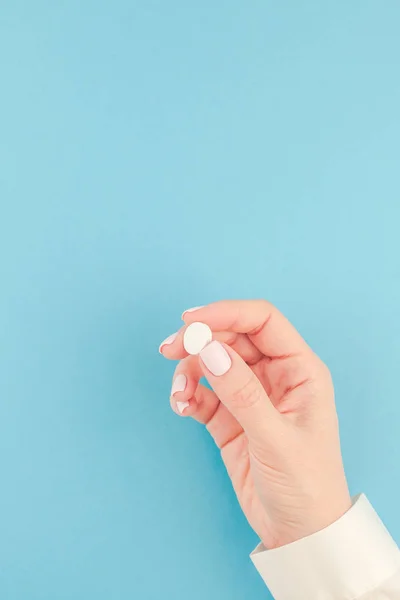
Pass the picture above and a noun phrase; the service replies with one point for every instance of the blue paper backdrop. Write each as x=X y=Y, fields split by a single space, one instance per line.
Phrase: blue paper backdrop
x=153 y=156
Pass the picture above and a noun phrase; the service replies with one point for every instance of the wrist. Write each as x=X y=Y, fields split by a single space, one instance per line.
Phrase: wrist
x=315 y=517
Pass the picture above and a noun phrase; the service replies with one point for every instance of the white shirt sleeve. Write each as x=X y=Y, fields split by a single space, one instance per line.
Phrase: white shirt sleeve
x=355 y=558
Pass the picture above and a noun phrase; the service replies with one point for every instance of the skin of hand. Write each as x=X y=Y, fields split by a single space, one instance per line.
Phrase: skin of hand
x=271 y=412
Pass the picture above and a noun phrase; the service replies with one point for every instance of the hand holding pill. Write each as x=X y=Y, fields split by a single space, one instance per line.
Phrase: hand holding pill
x=271 y=412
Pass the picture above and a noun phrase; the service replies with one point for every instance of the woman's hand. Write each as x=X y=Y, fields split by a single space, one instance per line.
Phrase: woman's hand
x=271 y=413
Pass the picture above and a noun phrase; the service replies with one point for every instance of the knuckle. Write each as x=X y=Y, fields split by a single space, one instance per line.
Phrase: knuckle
x=247 y=394
x=325 y=371
x=319 y=370
x=265 y=303
x=266 y=307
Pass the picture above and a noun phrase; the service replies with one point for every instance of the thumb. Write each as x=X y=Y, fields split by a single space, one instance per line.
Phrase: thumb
x=238 y=388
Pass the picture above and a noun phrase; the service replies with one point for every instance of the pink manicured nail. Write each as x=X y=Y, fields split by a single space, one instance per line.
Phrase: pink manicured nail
x=189 y=310
x=179 y=384
x=181 y=406
x=168 y=341
x=216 y=358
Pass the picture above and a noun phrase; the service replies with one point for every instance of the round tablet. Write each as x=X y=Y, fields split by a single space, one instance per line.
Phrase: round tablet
x=196 y=337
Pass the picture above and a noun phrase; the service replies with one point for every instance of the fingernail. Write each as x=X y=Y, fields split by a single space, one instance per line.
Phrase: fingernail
x=181 y=406
x=179 y=384
x=189 y=310
x=216 y=358
x=168 y=341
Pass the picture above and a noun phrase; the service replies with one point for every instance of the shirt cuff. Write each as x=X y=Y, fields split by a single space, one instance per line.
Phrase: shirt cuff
x=349 y=558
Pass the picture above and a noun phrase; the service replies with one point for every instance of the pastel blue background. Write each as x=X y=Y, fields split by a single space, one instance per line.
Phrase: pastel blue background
x=153 y=156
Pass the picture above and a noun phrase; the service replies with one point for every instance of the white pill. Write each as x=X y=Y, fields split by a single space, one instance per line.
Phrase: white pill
x=196 y=337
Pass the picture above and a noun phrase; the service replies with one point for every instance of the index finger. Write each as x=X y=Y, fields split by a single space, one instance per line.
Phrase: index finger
x=269 y=330
x=174 y=349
